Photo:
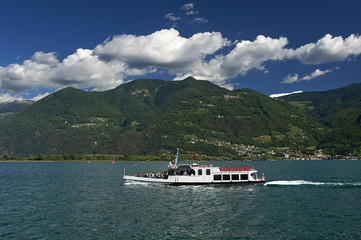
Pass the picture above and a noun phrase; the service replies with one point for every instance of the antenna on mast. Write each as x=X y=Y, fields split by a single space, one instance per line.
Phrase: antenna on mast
x=176 y=158
x=174 y=164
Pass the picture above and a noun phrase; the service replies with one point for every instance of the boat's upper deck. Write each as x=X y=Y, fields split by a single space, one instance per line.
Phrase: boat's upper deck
x=197 y=169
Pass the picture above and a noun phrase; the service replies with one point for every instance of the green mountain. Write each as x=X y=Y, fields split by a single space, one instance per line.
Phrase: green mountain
x=153 y=116
x=340 y=111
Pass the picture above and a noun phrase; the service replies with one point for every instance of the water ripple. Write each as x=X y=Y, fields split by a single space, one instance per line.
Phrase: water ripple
x=91 y=201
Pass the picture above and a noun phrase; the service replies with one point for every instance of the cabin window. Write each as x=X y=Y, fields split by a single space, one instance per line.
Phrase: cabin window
x=199 y=171
x=217 y=177
x=244 y=176
x=208 y=171
x=235 y=177
x=226 y=177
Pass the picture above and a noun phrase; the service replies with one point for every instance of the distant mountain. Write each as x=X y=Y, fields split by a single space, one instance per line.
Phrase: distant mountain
x=9 y=108
x=340 y=111
x=153 y=116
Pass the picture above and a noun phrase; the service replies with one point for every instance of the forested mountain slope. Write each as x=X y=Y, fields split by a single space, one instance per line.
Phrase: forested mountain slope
x=152 y=116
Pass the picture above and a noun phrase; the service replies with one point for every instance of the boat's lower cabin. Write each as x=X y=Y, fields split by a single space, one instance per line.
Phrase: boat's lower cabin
x=210 y=174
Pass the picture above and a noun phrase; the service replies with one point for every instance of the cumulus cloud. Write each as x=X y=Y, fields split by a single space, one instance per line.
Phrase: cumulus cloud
x=165 y=49
x=245 y=56
x=251 y=55
x=329 y=49
x=117 y=59
x=110 y=63
x=83 y=69
x=294 y=78
x=49 y=59
x=277 y=95
x=30 y=74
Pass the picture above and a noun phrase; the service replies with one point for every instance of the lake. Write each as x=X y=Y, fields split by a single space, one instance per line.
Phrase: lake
x=80 y=200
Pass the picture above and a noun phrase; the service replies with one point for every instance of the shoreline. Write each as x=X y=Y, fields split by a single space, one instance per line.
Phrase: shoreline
x=89 y=161
x=36 y=161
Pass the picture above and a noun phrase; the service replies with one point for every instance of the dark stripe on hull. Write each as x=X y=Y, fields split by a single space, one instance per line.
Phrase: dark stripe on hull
x=218 y=183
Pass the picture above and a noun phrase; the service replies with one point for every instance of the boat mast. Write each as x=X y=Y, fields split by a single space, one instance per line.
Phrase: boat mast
x=176 y=158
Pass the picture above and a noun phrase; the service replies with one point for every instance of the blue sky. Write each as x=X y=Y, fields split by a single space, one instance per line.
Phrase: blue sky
x=268 y=46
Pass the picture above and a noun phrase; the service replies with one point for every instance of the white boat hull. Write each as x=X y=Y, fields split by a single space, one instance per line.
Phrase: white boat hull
x=190 y=180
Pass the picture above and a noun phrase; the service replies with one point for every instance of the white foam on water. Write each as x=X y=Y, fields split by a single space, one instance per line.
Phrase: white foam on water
x=130 y=182
x=293 y=182
x=303 y=182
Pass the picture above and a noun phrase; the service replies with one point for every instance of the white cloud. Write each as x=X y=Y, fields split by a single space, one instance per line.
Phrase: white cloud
x=294 y=78
x=125 y=56
x=245 y=56
x=110 y=63
x=30 y=74
x=316 y=73
x=329 y=49
x=164 y=48
x=83 y=69
x=188 y=6
x=276 y=95
x=206 y=71
x=171 y=17
x=40 y=96
x=45 y=58
x=199 y=20
x=191 y=12
x=7 y=97
x=249 y=55
x=290 y=78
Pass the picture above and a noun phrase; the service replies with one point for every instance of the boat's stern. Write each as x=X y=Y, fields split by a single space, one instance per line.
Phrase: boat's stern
x=148 y=179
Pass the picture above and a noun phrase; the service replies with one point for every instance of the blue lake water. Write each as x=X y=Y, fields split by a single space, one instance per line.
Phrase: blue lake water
x=80 y=200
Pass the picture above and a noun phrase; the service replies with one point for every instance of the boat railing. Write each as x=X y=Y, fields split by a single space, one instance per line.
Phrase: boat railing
x=132 y=166
x=235 y=169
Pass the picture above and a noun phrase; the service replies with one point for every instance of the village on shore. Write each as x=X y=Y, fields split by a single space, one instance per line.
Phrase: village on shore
x=244 y=153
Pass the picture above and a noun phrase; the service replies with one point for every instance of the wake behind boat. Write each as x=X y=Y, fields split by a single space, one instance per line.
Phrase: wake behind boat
x=195 y=174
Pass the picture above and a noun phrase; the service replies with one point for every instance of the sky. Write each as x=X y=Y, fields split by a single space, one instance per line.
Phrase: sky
x=273 y=47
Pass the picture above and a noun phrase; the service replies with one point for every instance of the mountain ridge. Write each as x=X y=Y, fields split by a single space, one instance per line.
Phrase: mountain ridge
x=153 y=116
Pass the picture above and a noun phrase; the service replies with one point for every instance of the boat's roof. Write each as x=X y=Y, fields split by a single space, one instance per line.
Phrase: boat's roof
x=194 y=165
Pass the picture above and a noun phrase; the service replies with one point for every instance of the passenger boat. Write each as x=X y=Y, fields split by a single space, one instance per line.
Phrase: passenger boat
x=195 y=174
